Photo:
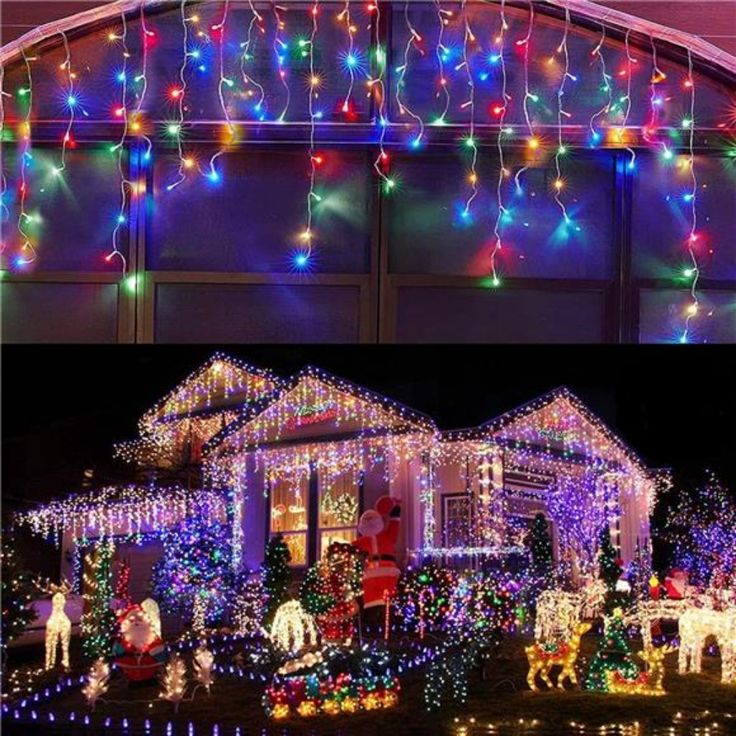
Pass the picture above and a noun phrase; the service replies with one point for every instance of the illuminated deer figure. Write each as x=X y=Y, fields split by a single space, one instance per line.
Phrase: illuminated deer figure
x=648 y=683
x=542 y=660
x=696 y=625
x=59 y=625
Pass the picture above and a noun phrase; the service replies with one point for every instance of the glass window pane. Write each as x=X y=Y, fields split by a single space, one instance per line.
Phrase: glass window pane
x=436 y=314
x=47 y=312
x=297 y=544
x=662 y=217
x=345 y=536
x=256 y=313
x=428 y=232
x=339 y=498
x=662 y=316
x=289 y=504
x=252 y=219
x=73 y=213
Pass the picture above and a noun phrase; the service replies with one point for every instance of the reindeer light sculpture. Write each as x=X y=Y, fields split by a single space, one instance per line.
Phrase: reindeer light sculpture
x=59 y=625
x=696 y=625
x=543 y=658
x=648 y=683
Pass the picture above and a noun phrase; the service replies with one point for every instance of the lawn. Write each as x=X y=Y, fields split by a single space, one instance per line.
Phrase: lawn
x=499 y=697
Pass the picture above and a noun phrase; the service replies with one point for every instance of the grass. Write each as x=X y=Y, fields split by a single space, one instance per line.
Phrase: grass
x=502 y=696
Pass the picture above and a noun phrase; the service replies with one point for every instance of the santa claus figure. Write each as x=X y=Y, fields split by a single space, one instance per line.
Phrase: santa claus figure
x=379 y=532
x=139 y=653
x=676 y=584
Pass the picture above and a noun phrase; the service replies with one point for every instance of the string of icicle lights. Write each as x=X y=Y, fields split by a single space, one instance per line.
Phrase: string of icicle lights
x=405 y=71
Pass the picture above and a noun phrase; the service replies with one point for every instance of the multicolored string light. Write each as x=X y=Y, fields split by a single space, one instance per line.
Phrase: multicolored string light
x=502 y=171
x=136 y=124
x=121 y=112
x=280 y=48
x=470 y=141
x=377 y=88
x=561 y=112
x=350 y=60
x=692 y=240
x=607 y=87
x=220 y=30
x=441 y=51
x=532 y=140
x=303 y=255
x=411 y=42
x=655 y=105
x=27 y=249
x=246 y=56
x=71 y=103
x=630 y=61
x=177 y=93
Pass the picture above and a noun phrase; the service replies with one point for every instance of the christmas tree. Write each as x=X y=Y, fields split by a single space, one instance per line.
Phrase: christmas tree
x=609 y=570
x=276 y=574
x=540 y=547
x=613 y=655
x=195 y=571
x=17 y=592
x=99 y=625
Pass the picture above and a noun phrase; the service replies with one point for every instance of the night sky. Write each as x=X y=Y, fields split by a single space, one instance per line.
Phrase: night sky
x=65 y=406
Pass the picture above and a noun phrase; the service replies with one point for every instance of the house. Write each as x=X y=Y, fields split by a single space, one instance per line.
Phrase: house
x=305 y=456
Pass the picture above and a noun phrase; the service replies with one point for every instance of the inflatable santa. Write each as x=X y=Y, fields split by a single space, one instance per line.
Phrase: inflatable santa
x=139 y=652
x=379 y=532
x=676 y=584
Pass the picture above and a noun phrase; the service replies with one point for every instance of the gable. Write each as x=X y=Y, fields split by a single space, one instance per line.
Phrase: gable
x=222 y=383
x=316 y=405
x=560 y=422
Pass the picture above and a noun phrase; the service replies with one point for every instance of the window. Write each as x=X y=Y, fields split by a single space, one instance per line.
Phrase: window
x=457 y=511
x=339 y=507
x=290 y=515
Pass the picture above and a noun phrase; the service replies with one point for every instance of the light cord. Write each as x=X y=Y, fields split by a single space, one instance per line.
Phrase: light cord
x=280 y=47
x=306 y=236
x=502 y=172
x=71 y=102
x=344 y=16
x=256 y=17
x=181 y=92
x=440 y=51
x=693 y=307
x=120 y=149
x=221 y=28
x=561 y=149
x=470 y=141
x=607 y=87
x=527 y=92
x=413 y=38
x=23 y=216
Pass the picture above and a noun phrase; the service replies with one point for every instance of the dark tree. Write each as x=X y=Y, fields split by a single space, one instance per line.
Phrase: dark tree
x=540 y=547
x=17 y=592
x=276 y=574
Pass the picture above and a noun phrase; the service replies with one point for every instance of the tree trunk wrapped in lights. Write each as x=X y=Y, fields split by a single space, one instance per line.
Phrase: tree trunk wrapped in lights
x=98 y=682
x=203 y=662
x=174 y=681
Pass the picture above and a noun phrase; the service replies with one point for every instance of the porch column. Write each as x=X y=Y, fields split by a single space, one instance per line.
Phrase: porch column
x=426 y=500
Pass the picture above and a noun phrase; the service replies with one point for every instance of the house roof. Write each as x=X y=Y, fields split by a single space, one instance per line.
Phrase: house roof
x=486 y=430
x=408 y=415
x=585 y=10
x=248 y=370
